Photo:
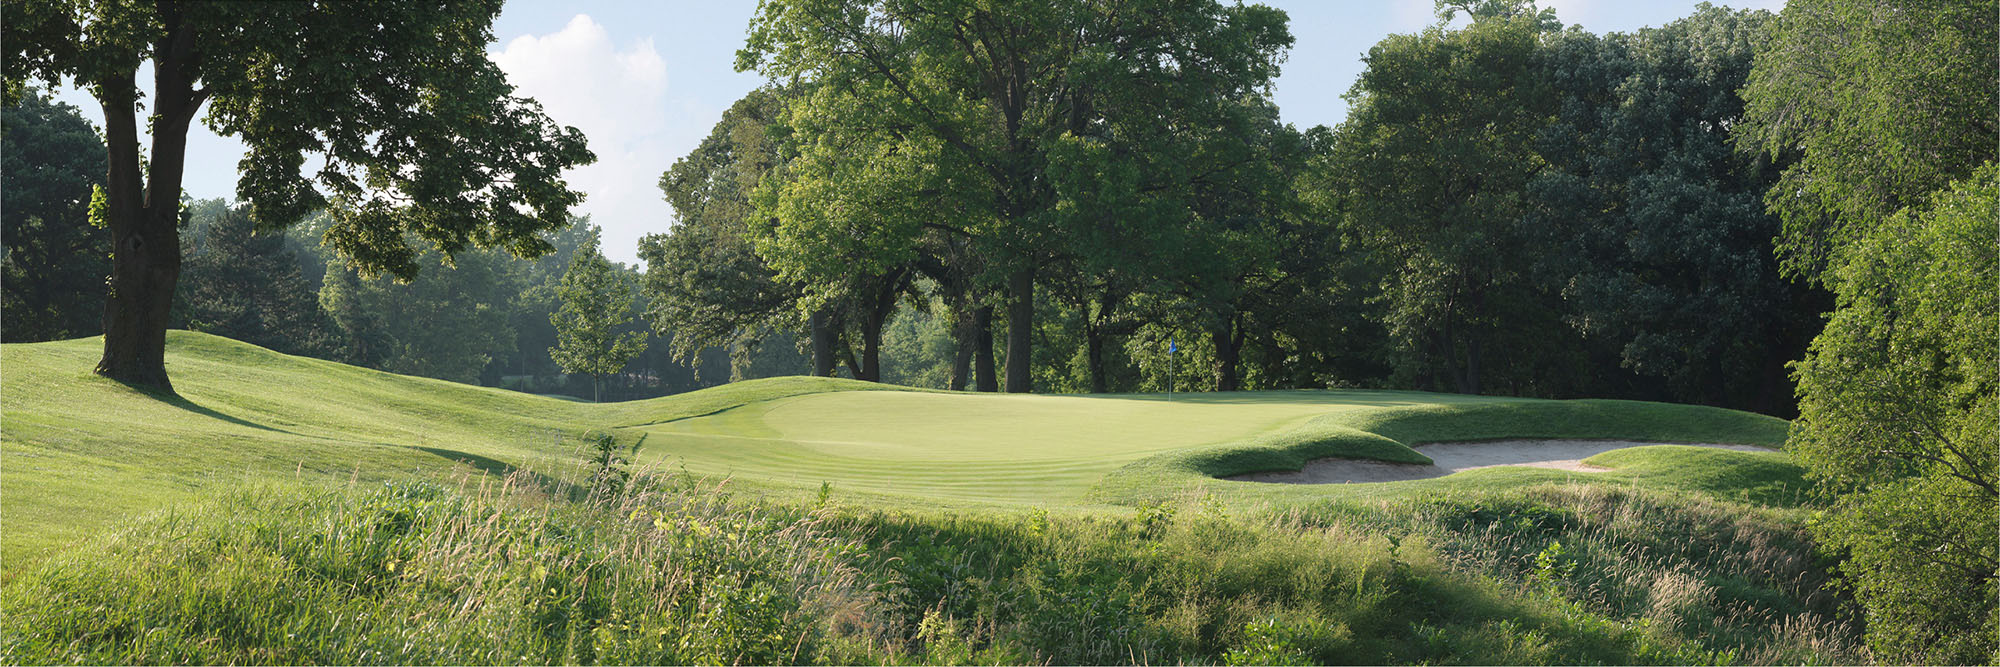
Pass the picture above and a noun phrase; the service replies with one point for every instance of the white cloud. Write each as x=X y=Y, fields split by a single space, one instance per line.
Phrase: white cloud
x=618 y=98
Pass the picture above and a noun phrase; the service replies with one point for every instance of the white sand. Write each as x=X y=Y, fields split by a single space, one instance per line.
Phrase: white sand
x=1451 y=457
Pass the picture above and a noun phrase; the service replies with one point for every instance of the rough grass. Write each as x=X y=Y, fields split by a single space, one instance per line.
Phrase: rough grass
x=488 y=571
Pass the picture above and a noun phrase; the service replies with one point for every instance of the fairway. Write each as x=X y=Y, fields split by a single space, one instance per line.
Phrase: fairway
x=82 y=451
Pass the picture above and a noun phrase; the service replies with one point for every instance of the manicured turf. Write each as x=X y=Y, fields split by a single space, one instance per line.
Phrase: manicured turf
x=78 y=452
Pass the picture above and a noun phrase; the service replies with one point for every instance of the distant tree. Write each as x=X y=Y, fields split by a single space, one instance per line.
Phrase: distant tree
x=247 y=286
x=941 y=120
x=1431 y=169
x=705 y=282
x=449 y=323
x=537 y=300
x=1653 y=227
x=421 y=136
x=52 y=273
x=596 y=302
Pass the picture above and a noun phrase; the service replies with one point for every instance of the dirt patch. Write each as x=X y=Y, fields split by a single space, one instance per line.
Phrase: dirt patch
x=1451 y=457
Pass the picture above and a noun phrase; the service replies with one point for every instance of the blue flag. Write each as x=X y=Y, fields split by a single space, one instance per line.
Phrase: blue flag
x=1170 y=346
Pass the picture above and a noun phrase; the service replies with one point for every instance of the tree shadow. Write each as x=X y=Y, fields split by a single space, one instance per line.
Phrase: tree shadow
x=175 y=399
x=499 y=468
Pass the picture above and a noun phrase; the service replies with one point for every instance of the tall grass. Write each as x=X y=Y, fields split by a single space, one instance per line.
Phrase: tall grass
x=678 y=570
x=495 y=572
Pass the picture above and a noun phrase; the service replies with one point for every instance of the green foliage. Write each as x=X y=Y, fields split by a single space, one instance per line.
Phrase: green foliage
x=448 y=323
x=706 y=282
x=1890 y=205
x=247 y=286
x=596 y=300
x=1432 y=167
x=52 y=273
x=1880 y=103
x=1657 y=239
x=1898 y=405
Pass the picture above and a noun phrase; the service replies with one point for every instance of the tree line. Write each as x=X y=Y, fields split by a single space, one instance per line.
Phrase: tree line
x=1511 y=207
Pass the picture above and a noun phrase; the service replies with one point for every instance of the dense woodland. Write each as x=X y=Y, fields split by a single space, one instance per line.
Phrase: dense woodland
x=1732 y=209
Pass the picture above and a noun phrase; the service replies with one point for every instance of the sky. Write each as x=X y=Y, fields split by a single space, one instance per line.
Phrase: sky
x=645 y=80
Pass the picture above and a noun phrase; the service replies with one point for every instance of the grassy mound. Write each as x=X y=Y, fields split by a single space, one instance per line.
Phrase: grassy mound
x=422 y=574
x=679 y=572
x=82 y=451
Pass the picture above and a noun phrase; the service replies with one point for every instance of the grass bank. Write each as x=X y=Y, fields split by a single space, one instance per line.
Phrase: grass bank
x=680 y=571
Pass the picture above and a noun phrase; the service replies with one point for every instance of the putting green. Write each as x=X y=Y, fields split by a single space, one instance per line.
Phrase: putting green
x=1025 y=448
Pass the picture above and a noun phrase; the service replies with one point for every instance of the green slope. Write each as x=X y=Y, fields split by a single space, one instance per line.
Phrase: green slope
x=78 y=452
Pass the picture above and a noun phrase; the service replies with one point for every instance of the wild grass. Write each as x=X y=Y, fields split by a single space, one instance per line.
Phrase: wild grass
x=491 y=572
x=681 y=570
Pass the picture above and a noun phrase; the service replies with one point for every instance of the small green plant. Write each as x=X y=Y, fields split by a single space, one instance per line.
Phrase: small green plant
x=607 y=461
x=1553 y=566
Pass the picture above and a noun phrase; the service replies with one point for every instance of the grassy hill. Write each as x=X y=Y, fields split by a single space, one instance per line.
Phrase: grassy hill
x=81 y=452
x=248 y=520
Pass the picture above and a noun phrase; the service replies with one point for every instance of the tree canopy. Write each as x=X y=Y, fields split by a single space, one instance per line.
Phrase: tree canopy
x=414 y=133
x=52 y=274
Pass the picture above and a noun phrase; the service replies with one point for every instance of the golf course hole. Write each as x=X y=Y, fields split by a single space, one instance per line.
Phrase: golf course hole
x=1451 y=457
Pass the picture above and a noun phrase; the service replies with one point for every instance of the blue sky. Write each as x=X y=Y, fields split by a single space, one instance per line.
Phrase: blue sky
x=645 y=80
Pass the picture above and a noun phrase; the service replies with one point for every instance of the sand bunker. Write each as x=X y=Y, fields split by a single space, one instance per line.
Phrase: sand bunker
x=1451 y=457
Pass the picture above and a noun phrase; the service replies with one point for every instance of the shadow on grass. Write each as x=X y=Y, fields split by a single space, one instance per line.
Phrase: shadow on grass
x=169 y=397
x=499 y=468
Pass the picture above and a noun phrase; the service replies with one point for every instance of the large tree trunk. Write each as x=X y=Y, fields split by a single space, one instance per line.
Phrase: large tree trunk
x=822 y=343
x=145 y=218
x=1094 y=340
x=963 y=337
x=1472 y=358
x=871 y=350
x=1020 y=330
x=982 y=349
x=1227 y=354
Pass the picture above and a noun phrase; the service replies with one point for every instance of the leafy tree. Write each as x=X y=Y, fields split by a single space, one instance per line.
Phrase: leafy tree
x=705 y=281
x=1889 y=111
x=534 y=335
x=1899 y=402
x=247 y=286
x=1431 y=166
x=596 y=300
x=50 y=159
x=1881 y=103
x=941 y=119
x=1653 y=225
x=417 y=130
x=449 y=323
